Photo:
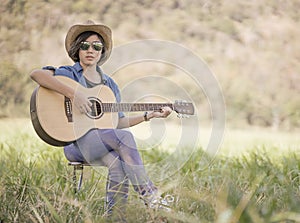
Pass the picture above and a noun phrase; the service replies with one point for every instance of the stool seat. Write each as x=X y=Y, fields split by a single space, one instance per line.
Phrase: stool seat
x=73 y=163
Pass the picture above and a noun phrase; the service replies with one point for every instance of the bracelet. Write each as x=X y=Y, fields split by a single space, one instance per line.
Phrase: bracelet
x=145 y=117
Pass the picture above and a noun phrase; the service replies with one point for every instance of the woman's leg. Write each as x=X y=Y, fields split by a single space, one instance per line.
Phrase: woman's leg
x=98 y=143
x=123 y=143
x=117 y=182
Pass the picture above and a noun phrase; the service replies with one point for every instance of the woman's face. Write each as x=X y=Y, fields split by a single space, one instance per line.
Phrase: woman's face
x=90 y=51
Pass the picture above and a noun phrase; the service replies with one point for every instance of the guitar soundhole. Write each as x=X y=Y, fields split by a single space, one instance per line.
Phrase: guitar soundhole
x=96 y=107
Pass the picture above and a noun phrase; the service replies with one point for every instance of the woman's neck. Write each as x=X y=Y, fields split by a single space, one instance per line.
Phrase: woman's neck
x=91 y=73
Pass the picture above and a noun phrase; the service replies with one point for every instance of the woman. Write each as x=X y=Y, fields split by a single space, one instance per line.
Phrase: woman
x=89 y=46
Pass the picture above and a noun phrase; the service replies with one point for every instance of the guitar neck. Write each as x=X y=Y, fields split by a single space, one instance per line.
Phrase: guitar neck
x=132 y=107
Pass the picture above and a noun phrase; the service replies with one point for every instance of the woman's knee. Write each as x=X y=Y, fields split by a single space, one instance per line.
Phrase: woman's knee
x=125 y=138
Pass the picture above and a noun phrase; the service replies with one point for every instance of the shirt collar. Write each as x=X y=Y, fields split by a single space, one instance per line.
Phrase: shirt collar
x=79 y=69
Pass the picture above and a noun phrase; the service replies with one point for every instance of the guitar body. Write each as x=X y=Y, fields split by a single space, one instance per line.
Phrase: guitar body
x=58 y=122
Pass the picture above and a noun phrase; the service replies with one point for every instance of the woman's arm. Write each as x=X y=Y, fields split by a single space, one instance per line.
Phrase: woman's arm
x=46 y=79
x=130 y=121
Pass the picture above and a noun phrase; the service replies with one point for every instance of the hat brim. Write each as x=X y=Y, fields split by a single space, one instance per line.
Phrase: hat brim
x=102 y=30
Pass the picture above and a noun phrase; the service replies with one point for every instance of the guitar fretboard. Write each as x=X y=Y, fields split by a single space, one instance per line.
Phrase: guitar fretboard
x=132 y=107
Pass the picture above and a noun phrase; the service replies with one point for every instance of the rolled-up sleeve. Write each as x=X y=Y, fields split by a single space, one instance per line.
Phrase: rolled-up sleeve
x=68 y=71
x=49 y=68
x=61 y=71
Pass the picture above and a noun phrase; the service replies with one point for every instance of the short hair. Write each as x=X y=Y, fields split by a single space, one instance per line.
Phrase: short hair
x=75 y=46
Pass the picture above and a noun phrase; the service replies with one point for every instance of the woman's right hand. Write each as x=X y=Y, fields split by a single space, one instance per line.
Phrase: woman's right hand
x=82 y=102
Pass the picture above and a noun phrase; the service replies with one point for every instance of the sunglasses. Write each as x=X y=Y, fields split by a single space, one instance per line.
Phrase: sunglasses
x=98 y=46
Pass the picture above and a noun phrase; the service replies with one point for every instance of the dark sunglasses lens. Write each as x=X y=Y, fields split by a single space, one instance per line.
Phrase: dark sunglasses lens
x=84 y=46
x=98 y=46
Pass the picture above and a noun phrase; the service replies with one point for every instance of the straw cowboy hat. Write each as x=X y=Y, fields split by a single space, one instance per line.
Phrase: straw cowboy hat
x=102 y=30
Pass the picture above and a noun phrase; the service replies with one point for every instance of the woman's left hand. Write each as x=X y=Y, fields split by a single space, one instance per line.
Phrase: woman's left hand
x=163 y=113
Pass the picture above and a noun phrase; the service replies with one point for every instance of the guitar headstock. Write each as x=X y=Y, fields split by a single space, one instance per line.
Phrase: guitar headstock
x=184 y=107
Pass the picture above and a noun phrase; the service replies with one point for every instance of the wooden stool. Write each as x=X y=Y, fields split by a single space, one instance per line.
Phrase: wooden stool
x=77 y=166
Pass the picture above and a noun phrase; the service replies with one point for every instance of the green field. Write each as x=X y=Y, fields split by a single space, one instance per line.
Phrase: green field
x=255 y=177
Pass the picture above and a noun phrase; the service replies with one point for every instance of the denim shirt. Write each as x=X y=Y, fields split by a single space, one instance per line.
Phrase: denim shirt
x=75 y=72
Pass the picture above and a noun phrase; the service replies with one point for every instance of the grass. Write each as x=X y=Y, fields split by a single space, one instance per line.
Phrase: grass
x=261 y=184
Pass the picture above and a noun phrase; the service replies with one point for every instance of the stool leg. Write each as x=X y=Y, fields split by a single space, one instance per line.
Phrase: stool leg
x=74 y=180
x=77 y=186
x=80 y=178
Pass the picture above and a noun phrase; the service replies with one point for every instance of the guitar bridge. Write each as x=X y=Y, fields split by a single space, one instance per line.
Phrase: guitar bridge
x=68 y=109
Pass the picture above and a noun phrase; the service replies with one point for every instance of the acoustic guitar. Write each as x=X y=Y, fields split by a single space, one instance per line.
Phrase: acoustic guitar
x=58 y=122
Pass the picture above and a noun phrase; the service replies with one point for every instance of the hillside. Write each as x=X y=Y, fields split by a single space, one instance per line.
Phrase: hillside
x=252 y=47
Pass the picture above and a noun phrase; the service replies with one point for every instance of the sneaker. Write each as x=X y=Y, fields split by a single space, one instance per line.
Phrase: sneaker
x=156 y=202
